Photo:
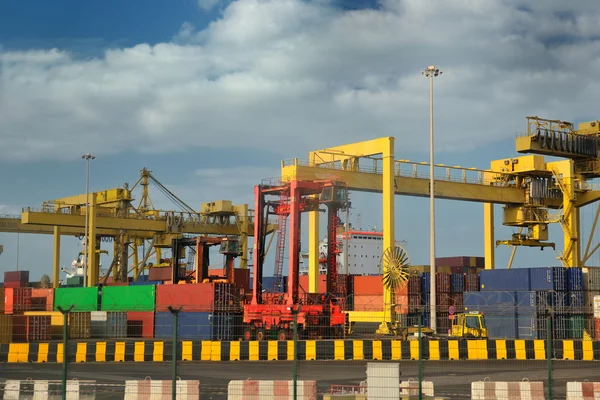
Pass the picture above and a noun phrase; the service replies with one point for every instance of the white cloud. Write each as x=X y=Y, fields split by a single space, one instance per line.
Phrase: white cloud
x=295 y=76
x=208 y=5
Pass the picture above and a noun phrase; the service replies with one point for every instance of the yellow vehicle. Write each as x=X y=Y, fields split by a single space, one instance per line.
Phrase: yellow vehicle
x=469 y=325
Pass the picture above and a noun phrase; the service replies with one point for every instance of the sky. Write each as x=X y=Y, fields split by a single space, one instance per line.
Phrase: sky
x=211 y=95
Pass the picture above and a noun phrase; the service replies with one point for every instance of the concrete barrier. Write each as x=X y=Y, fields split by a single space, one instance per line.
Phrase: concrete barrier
x=487 y=390
x=161 y=390
x=51 y=390
x=583 y=390
x=271 y=390
x=411 y=388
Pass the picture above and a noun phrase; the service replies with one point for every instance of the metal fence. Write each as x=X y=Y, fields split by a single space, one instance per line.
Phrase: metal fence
x=524 y=352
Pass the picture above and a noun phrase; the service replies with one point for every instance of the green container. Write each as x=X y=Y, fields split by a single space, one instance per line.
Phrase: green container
x=84 y=299
x=75 y=281
x=128 y=298
x=576 y=326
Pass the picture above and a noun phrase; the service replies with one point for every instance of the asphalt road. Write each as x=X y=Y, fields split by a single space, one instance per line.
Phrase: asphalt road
x=451 y=379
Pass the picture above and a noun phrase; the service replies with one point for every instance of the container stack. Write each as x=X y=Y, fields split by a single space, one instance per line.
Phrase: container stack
x=591 y=288
x=209 y=311
x=16 y=279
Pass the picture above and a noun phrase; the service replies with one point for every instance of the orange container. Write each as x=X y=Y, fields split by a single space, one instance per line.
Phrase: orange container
x=597 y=329
x=368 y=285
x=42 y=299
x=17 y=300
x=304 y=288
x=368 y=302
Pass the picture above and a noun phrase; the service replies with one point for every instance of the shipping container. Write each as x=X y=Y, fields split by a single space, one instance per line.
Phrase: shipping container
x=6 y=328
x=42 y=299
x=164 y=273
x=502 y=326
x=589 y=300
x=368 y=285
x=414 y=303
x=495 y=303
x=471 y=282
x=557 y=302
x=29 y=328
x=442 y=282
x=226 y=326
x=57 y=320
x=191 y=325
x=366 y=302
x=463 y=261
x=575 y=279
x=82 y=299
x=227 y=298
x=140 y=324
x=527 y=326
x=80 y=325
x=425 y=282
x=414 y=285
x=108 y=324
x=513 y=279
x=17 y=300
x=548 y=279
x=192 y=297
x=129 y=298
x=457 y=283
x=75 y=281
x=596 y=328
x=576 y=302
x=303 y=284
x=443 y=323
x=591 y=278
x=16 y=279
x=526 y=303
x=457 y=301
x=576 y=325
x=145 y=283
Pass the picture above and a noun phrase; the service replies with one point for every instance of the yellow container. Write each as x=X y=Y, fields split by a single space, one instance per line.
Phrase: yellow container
x=56 y=317
x=6 y=328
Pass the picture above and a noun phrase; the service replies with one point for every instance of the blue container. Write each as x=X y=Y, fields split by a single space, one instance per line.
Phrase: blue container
x=526 y=303
x=575 y=279
x=425 y=297
x=499 y=303
x=141 y=283
x=557 y=301
x=560 y=327
x=501 y=326
x=268 y=284
x=576 y=302
x=426 y=319
x=457 y=283
x=553 y=278
x=504 y=279
x=527 y=327
x=425 y=282
x=226 y=326
x=192 y=325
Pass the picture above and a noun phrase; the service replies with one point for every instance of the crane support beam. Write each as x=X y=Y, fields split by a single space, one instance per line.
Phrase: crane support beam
x=106 y=198
x=114 y=224
x=13 y=224
x=410 y=186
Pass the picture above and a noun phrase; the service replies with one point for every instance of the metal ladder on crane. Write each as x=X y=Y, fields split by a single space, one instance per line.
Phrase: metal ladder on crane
x=279 y=256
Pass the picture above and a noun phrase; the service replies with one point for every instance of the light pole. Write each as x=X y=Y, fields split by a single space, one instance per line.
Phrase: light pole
x=431 y=72
x=87 y=157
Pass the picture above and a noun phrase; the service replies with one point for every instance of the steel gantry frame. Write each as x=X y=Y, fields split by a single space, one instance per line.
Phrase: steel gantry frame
x=370 y=166
x=112 y=214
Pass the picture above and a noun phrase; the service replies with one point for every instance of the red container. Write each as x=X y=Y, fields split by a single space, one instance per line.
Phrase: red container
x=29 y=328
x=16 y=284
x=17 y=300
x=368 y=303
x=442 y=282
x=471 y=282
x=16 y=276
x=414 y=303
x=303 y=284
x=163 y=273
x=140 y=324
x=368 y=285
x=443 y=323
x=597 y=329
x=414 y=285
x=241 y=277
x=218 y=297
x=42 y=299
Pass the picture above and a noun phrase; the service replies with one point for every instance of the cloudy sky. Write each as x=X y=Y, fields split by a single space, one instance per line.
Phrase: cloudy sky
x=211 y=95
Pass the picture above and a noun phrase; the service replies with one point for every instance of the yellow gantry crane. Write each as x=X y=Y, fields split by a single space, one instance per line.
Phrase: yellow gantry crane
x=533 y=192
x=113 y=214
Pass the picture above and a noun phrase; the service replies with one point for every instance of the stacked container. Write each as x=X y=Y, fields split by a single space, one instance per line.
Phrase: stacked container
x=108 y=324
x=16 y=279
x=591 y=289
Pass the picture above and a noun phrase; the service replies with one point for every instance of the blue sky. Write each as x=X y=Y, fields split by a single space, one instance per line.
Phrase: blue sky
x=211 y=95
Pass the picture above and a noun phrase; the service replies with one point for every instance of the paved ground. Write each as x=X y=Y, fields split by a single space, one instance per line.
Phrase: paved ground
x=451 y=379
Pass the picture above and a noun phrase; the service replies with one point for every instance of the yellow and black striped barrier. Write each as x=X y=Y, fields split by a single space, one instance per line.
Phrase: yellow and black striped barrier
x=326 y=350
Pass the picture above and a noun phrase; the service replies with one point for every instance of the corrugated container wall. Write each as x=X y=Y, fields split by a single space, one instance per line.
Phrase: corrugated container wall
x=6 y=328
x=553 y=278
x=576 y=302
x=457 y=283
x=108 y=324
x=414 y=285
x=17 y=300
x=140 y=324
x=56 y=322
x=191 y=325
x=591 y=278
x=42 y=299
x=83 y=299
x=28 y=328
x=575 y=279
x=505 y=279
x=80 y=325
x=192 y=297
x=492 y=303
x=129 y=298
x=16 y=279
x=471 y=282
